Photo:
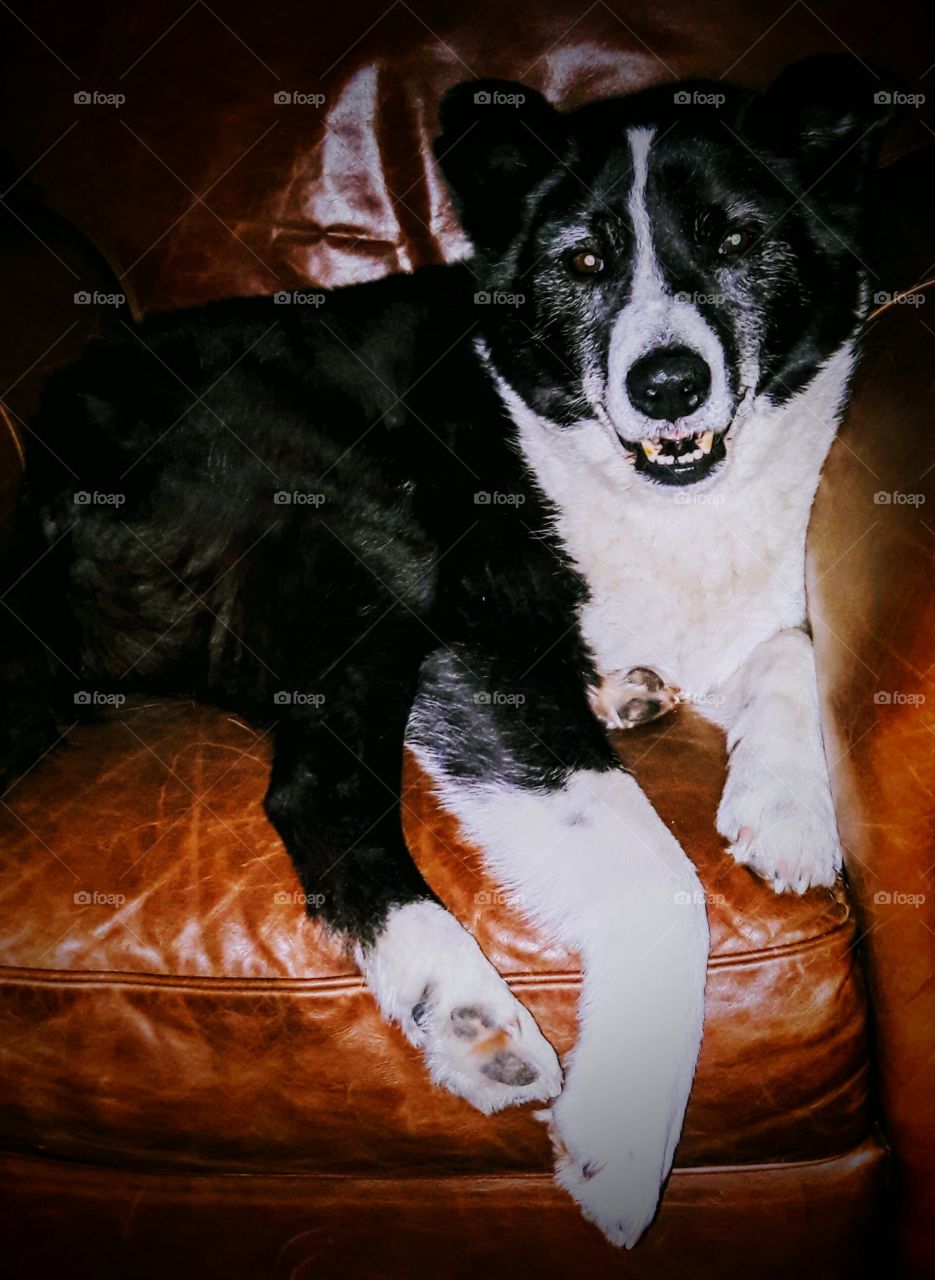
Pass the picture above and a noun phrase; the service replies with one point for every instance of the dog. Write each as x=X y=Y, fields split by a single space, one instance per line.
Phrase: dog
x=486 y=512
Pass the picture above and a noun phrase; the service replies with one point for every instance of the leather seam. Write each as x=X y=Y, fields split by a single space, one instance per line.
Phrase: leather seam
x=23 y=976
x=871 y=1146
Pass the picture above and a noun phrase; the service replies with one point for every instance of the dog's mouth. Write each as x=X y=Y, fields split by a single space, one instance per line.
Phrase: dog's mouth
x=679 y=462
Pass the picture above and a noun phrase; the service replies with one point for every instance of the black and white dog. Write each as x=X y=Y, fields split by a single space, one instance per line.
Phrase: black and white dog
x=487 y=510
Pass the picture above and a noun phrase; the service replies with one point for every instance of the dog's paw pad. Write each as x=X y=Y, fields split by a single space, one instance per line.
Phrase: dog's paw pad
x=469 y=1022
x=509 y=1068
x=624 y=700
x=490 y=1052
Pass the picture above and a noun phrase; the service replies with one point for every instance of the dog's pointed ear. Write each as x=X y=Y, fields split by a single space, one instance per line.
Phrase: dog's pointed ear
x=499 y=139
x=825 y=108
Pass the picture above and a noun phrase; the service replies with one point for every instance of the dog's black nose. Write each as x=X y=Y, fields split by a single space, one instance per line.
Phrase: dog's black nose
x=669 y=383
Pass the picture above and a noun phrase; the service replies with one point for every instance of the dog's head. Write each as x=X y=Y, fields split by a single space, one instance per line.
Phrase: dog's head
x=665 y=262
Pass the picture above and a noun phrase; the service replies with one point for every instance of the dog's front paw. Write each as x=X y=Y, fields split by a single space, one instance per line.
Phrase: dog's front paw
x=612 y=1166
x=625 y=699
x=781 y=824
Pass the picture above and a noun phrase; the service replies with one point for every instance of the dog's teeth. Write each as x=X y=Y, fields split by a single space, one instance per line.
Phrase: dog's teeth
x=705 y=442
x=697 y=455
x=666 y=459
x=651 y=449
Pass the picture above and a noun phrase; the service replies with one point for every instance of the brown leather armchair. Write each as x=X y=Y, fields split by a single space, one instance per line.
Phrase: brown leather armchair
x=194 y=1080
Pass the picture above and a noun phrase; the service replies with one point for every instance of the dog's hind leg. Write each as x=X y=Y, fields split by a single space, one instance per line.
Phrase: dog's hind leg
x=334 y=797
x=519 y=758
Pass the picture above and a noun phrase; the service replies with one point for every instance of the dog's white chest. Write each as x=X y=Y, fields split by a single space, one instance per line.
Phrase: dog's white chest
x=688 y=582
x=688 y=597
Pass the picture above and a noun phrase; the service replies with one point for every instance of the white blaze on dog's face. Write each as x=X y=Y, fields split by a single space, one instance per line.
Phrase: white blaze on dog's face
x=666 y=264
x=666 y=390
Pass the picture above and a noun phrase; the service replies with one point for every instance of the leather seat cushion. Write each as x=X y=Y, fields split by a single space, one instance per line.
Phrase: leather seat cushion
x=165 y=1001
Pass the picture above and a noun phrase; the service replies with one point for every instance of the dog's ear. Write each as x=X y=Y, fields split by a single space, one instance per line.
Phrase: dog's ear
x=498 y=140
x=825 y=109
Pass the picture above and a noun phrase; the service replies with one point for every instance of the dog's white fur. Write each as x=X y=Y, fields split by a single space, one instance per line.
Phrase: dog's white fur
x=704 y=585
x=654 y=317
x=593 y=864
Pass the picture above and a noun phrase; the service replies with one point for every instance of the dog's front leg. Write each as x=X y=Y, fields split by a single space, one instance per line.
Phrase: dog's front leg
x=563 y=826
x=776 y=810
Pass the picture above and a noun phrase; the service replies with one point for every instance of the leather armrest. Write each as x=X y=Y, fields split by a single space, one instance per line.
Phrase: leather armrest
x=870 y=579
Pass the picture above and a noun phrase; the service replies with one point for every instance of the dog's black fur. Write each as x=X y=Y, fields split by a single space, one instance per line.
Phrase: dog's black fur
x=426 y=550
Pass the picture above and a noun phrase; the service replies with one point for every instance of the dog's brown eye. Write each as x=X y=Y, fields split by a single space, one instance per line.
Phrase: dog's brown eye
x=586 y=263
x=736 y=243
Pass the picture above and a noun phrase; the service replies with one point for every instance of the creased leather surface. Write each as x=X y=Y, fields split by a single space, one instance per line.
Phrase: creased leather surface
x=164 y=998
x=757 y=1222
x=871 y=570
